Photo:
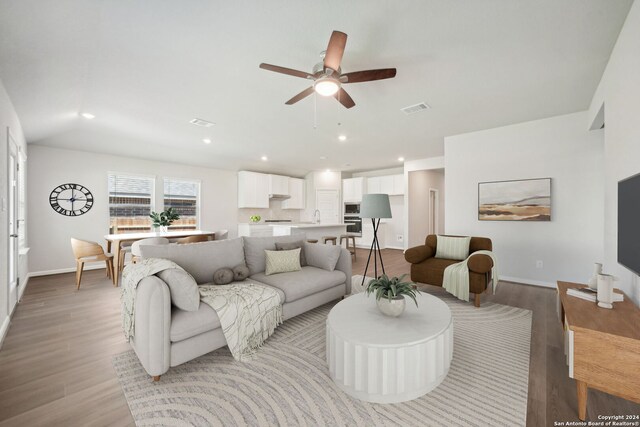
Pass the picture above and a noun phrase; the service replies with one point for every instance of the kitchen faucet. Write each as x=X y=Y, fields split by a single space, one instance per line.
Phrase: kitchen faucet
x=316 y=216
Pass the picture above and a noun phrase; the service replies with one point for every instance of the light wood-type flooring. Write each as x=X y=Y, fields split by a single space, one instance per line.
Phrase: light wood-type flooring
x=55 y=364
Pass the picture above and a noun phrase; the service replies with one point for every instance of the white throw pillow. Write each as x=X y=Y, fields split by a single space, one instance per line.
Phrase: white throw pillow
x=282 y=261
x=452 y=247
x=182 y=287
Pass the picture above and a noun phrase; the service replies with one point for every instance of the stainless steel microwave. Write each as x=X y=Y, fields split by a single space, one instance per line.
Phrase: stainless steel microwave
x=352 y=208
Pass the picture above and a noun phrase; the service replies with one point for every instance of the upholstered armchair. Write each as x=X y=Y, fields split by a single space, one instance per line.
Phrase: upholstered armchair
x=425 y=268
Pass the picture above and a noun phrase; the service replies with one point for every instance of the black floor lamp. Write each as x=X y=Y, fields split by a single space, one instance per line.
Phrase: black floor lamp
x=374 y=206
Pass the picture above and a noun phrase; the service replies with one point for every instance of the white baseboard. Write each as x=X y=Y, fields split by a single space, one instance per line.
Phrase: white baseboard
x=4 y=329
x=64 y=270
x=23 y=286
x=528 y=282
x=395 y=247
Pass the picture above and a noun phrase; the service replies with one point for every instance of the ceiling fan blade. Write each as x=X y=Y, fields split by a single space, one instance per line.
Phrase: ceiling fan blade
x=335 y=50
x=343 y=98
x=368 y=75
x=308 y=91
x=287 y=71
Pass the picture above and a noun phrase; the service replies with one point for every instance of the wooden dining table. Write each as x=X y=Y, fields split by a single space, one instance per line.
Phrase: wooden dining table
x=116 y=241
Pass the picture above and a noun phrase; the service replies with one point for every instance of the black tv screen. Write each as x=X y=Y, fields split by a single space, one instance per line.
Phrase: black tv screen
x=629 y=223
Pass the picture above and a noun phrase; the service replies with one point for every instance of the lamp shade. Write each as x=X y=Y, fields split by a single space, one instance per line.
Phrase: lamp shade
x=375 y=206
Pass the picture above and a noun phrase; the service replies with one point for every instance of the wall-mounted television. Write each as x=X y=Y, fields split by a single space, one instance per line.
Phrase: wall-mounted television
x=629 y=223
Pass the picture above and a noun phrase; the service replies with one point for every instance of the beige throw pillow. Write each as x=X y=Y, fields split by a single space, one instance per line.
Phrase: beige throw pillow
x=452 y=247
x=282 y=261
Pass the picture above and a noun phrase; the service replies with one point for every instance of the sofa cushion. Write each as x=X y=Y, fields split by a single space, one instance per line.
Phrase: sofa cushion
x=452 y=247
x=182 y=287
x=200 y=259
x=187 y=324
x=282 y=261
x=322 y=256
x=299 y=284
x=293 y=245
x=254 y=248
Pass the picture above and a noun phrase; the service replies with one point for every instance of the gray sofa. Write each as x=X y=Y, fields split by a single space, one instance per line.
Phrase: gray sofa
x=166 y=336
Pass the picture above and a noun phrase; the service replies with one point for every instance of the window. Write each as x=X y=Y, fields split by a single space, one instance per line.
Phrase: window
x=130 y=202
x=184 y=197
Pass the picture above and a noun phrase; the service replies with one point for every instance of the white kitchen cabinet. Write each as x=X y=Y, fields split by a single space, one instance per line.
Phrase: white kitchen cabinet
x=255 y=230
x=297 y=193
x=386 y=184
x=373 y=185
x=352 y=189
x=392 y=185
x=279 y=184
x=253 y=190
x=398 y=185
x=367 y=235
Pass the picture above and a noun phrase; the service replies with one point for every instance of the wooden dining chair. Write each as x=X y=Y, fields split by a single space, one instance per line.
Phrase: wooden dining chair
x=87 y=251
x=136 y=254
x=192 y=239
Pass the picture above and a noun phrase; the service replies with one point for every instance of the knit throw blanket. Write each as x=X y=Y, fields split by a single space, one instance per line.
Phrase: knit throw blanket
x=131 y=276
x=249 y=313
x=456 y=276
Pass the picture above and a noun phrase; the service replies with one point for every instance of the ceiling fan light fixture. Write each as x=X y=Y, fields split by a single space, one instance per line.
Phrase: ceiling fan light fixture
x=326 y=86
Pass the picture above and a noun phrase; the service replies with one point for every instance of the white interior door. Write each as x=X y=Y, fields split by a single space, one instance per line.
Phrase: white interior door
x=12 y=182
x=328 y=203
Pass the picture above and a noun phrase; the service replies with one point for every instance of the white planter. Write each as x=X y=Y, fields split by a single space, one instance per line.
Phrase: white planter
x=393 y=308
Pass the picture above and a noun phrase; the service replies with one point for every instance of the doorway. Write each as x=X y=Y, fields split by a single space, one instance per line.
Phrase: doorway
x=13 y=171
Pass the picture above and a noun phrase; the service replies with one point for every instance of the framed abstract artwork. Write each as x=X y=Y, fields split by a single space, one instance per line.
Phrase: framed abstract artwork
x=517 y=200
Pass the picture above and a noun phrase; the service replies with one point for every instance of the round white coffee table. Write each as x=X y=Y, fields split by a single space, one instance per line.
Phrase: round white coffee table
x=383 y=359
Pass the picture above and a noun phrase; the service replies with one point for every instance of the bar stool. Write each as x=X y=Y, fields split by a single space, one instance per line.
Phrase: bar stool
x=353 y=241
x=312 y=240
x=331 y=239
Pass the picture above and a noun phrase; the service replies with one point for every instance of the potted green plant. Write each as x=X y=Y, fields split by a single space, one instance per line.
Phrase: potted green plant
x=164 y=219
x=390 y=294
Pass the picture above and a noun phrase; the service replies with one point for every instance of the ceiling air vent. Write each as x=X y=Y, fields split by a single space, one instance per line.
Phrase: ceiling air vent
x=200 y=122
x=412 y=109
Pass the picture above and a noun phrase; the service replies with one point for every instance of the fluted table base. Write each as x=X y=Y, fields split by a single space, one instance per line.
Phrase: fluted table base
x=389 y=373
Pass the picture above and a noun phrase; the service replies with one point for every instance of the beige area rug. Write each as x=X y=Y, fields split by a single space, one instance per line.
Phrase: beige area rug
x=288 y=384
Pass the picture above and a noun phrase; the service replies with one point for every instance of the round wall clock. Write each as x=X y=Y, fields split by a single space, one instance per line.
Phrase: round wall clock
x=71 y=199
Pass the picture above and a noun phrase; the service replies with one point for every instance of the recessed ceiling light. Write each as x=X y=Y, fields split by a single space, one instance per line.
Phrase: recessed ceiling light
x=264 y=158
x=323 y=157
x=207 y=141
x=401 y=159
x=328 y=170
x=88 y=116
x=342 y=137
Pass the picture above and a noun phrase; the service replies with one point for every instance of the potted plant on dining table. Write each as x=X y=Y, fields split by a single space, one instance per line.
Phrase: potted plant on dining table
x=162 y=220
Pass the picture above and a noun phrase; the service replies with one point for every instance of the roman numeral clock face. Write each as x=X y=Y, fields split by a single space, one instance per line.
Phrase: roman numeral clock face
x=71 y=199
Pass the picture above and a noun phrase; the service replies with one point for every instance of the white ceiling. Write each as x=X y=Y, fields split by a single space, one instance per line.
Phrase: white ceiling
x=146 y=68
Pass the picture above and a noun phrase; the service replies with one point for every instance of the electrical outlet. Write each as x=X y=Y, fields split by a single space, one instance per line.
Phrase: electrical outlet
x=539 y=264
x=399 y=237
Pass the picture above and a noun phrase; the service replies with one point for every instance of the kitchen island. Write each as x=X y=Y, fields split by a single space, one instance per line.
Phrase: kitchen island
x=310 y=230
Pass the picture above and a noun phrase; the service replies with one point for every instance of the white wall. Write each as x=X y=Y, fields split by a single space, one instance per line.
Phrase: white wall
x=561 y=148
x=49 y=167
x=8 y=119
x=619 y=90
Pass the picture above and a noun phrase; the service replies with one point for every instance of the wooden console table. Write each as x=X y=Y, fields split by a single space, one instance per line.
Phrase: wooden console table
x=602 y=346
